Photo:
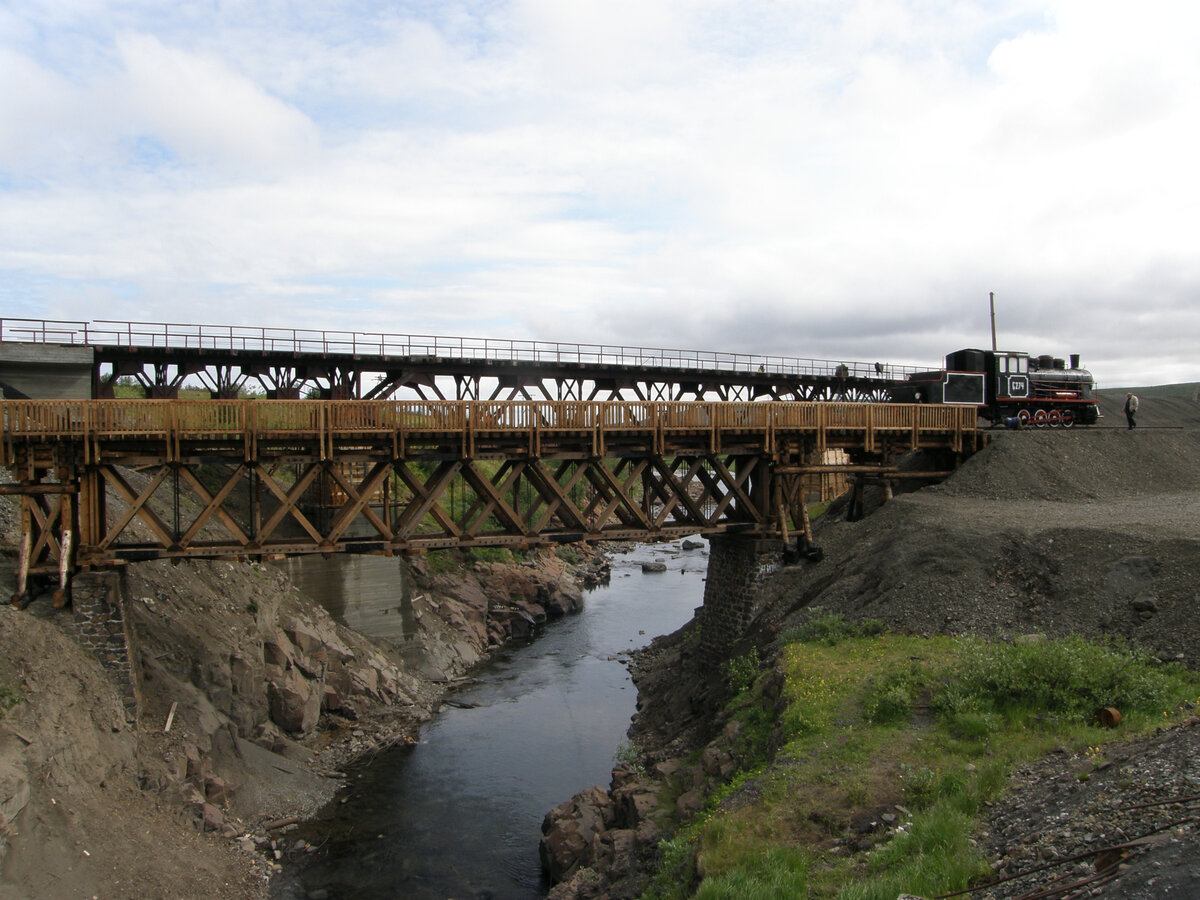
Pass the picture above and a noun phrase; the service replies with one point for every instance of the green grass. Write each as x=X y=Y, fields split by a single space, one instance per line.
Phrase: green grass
x=9 y=697
x=866 y=723
x=568 y=554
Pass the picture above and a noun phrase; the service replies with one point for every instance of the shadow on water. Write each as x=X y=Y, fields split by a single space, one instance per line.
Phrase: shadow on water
x=459 y=813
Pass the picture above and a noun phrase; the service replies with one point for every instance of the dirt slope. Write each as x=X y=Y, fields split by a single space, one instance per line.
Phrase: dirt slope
x=1042 y=531
x=87 y=827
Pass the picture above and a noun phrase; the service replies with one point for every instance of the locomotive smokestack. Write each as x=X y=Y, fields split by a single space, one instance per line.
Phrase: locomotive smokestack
x=992 y=304
x=1074 y=360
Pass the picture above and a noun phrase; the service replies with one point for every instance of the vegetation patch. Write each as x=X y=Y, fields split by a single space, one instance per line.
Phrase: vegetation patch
x=9 y=697
x=741 y=671
x=885 y=748
x=568 y=554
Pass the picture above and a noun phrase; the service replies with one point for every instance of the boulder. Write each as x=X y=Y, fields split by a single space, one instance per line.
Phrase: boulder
x=211 y=818
x=278 y=651
x=304 y=637
x=715 y=761
x=613 y=852
x=295 y=702
x=689 y=802
x=217 y=791
x=632 y=807
x=534 y=612
x=569 y=831
x=563 y=599
x=654 y=567
x=364 y=679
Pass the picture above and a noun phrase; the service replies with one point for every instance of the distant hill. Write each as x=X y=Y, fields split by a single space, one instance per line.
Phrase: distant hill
x=1162 y=405
x=1188 y=390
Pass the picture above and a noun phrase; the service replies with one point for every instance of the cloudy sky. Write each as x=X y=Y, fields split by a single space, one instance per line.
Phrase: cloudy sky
x=839 y=179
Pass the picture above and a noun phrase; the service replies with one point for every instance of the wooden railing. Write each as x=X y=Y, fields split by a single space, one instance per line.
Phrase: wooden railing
x=234 y=419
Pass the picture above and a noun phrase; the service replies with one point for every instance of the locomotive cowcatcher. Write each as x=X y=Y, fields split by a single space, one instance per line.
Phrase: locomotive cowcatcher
x=1008 y=387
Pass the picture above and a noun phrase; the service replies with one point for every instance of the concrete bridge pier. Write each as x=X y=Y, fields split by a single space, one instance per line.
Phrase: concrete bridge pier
x=737 y=564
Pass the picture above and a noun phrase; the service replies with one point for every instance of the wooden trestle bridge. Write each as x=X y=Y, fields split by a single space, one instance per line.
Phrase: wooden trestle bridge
x=103 y=482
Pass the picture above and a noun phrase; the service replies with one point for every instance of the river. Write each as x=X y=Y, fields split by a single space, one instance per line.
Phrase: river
x=458 y=814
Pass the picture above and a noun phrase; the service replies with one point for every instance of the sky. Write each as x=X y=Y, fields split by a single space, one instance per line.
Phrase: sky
x=833 y=179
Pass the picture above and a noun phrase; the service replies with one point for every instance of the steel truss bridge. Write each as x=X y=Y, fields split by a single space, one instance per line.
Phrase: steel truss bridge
x=104 y=482
x=285 y=363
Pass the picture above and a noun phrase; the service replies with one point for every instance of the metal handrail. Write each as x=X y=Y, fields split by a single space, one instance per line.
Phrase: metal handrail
x=175 y=335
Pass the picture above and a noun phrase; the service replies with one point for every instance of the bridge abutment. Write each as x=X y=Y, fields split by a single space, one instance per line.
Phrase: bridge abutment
x=737 y=565
x=103 y=628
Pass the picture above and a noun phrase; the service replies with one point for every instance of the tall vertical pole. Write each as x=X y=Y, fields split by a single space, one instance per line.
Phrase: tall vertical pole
x=992 y=302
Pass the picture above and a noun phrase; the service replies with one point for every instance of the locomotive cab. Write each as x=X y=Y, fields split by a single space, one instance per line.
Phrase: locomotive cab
x=1007 y=376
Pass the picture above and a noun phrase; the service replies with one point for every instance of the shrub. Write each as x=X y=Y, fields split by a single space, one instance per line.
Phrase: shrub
x=1070 y=677
x=968 y=725
x=889 y=698
x=676 y=873
x=741 y=671
x=920 y=784
x=628 y=754
x=893 y=704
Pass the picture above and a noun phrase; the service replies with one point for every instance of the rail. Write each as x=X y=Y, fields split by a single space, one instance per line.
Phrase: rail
x=33 y=420
x=120 y=334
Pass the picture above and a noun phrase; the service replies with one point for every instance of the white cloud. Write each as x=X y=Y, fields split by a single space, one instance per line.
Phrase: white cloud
x=829 y=179
x=206 y=112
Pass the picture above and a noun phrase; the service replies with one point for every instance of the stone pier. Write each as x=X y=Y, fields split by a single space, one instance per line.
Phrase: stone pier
x=102 y=627
x=736 y=567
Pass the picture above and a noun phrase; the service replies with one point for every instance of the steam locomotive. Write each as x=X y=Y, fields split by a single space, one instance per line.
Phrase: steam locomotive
x=1008 y=387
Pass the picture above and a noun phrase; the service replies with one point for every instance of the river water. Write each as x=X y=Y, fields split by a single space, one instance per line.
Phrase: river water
x=458 y=815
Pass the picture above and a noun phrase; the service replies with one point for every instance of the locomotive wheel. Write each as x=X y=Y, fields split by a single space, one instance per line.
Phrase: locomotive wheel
x=1068 y=419
x=1039 y=418
x=1054 y=418
x=1023 y=415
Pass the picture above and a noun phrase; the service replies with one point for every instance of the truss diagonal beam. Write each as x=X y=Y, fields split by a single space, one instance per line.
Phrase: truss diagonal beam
x=358 y=499
x=136 y=506
x=493 y=499
x=428 y=493
x=289 y=505
x=213 y=505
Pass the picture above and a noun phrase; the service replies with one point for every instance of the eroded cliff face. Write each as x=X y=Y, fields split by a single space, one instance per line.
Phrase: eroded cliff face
x=254 y=698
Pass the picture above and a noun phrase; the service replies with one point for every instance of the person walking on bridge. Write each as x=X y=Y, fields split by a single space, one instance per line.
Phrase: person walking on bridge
x=1131 y=407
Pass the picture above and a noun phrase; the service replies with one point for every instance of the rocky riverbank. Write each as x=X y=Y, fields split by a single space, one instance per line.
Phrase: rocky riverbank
x=254 y=700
